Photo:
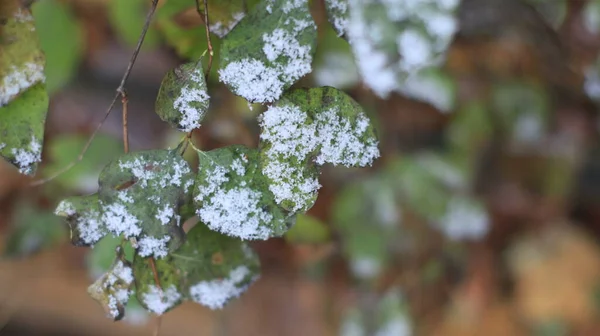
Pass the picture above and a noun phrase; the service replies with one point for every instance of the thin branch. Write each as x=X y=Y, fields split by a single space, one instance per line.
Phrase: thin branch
x=207 y=28
x=125 y=101
x=120 y=92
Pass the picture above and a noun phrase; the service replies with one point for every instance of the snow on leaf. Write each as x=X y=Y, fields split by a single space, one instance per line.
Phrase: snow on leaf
x=182 y=100
x=140 y=193
x=112 y=290
x=306 y=129
x=269 y=50
x=84 y=219
x=209 y=268
x=224 y=15
x=337 y=13
x=393 y=40
x=231 y=196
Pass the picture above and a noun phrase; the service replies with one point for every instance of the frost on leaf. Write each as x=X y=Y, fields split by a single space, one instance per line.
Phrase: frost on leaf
x=112 y=290
x=224 y=15
x=84 y=219
x=393 y=40
x=182 y=100
x=306 y=129
x=140 y=194
x=269 y=50
x=23 y=98
x=337 y=14
x=209 y=269
x=231 y=195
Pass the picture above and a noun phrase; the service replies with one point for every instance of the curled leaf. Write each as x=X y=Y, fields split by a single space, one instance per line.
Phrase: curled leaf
x=232 y=197
x=269 y=50
x=112 y=290
x=182 y=100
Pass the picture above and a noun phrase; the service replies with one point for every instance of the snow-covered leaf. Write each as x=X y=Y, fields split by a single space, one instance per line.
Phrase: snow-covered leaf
x=268 y=50
x=112 y=290
x=84 y=219
x=306 y=129
x=232 y=197
x=23 y=98
x=183 y=100
x=210 y=269
x=393 y=40
x=140 y=194
x=337 y=14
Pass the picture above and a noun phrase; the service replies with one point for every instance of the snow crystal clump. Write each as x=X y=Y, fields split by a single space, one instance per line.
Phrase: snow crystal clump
x=288 y=61
x=19 y=79
x=337 y=10
x=65 y=207
x=464 y=219
x=341 y=143
x=159 y=301
x=191 y=116
x=148 y=246
x=234 y=212
x=215 y=294
x=119 y=221
x=171 y=172
x=25 y=159
x=115 y=284
x=164 y=215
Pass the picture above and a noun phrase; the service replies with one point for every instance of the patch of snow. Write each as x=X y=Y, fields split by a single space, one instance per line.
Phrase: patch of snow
x=159 y=301
x=150 y=246
x=165 y=214
x=220 y=29
x=465 y=219
x=25 y=159
x=191 y=115
x=338 y=13
x=20 y=79
x=119 y=220
x=215 y=294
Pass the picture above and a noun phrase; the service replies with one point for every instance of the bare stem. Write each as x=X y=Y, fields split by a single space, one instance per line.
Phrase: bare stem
x=120 y=93
x=125 y=101
x=207 y=28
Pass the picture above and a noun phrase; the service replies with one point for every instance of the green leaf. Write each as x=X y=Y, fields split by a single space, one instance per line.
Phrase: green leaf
x=112 y=290
x=269 y=50
x=232 y=197
x=209 y=269
x=182 y=100
x=140 y=194
x=61 y=39
x=22 y=129
x=64 y=149
x=32 y=230
x=21 y=61
x=308 y=128
x=84 y=219
x=23 y=99
x=308 y=230
x=128 y=17
x=394 y=41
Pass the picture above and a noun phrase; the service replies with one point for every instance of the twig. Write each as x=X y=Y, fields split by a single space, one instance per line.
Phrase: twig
x=125 y=101
x=208 y=40
x=120 y=92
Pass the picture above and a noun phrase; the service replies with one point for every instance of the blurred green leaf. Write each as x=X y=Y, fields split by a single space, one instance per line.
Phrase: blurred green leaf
x=61 y=39
x=64 y=149
x=33 y=229
x=128 y=17
x=308 y=230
